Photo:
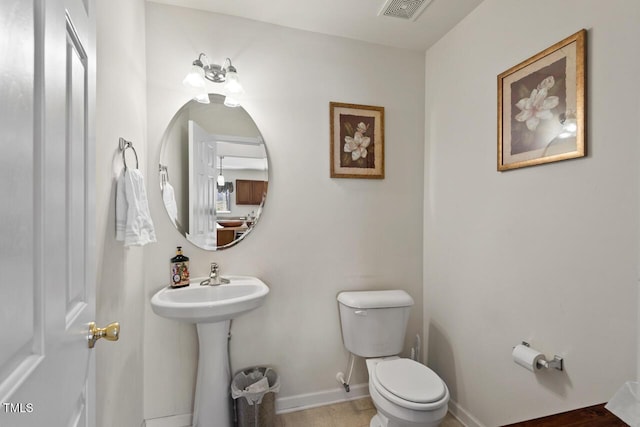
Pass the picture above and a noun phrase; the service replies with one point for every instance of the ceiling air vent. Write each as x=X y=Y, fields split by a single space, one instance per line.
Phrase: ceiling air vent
x=405 y=9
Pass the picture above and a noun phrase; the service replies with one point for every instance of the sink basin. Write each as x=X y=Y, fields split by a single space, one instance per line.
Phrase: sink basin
x=208 y=304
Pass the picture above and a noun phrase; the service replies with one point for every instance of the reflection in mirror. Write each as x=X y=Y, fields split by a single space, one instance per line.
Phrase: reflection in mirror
x=213 y=173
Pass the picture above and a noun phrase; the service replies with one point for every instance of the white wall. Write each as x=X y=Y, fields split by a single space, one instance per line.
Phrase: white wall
x=317 y=235
x=547 y=254
x=120 y=111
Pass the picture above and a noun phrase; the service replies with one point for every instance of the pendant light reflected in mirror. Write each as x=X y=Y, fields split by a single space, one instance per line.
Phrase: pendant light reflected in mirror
x=221 y=177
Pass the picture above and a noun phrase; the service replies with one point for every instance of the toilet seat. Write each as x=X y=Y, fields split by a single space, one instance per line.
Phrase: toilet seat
x=409 y=384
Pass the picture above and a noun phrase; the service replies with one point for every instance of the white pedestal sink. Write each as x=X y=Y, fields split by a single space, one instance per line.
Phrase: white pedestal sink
x=211 y=308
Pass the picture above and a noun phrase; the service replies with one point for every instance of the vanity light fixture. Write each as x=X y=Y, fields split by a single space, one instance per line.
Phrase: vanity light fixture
x=202 y=70
x=221 y=177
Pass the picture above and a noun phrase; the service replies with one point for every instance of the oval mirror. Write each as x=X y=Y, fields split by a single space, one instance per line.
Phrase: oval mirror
x=213 y=173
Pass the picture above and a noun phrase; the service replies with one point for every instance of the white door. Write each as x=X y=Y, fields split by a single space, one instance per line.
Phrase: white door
x=47 y=281
x=202 y=187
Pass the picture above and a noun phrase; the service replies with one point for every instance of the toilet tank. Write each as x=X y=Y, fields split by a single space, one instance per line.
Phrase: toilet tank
x=374 y=322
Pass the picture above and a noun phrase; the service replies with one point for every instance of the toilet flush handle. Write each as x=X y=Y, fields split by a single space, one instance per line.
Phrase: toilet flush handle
x=360 y=312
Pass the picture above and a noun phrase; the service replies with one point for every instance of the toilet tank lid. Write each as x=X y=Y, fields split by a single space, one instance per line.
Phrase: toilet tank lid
x=375 y=299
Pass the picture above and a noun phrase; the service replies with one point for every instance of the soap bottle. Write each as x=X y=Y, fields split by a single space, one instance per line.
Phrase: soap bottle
x=179 y=269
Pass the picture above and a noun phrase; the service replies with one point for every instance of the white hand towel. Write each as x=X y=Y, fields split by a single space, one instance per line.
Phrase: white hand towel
x=133 y=221
x=169 y=199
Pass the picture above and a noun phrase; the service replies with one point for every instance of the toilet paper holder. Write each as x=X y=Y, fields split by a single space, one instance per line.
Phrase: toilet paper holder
x=556 y=363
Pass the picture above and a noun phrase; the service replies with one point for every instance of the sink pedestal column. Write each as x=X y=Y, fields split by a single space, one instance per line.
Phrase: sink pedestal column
x=212 y=404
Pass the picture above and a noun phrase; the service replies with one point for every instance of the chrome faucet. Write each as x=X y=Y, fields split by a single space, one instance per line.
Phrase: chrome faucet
x=214 y=276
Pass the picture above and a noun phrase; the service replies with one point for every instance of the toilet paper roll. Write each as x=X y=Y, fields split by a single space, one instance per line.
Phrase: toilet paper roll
x=527 y=357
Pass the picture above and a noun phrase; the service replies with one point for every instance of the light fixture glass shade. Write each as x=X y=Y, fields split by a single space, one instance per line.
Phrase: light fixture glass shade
x=220 y=180
x=195 y=78
x=232 y=102
x=232 y=85
x=202 y=98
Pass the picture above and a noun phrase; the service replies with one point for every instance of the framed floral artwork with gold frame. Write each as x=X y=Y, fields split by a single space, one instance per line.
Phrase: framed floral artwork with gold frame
x=357 y=141
x=542 y=105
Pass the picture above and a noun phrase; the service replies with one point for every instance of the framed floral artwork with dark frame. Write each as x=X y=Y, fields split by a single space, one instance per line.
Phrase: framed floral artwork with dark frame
x=357 y=141
x=541 y=107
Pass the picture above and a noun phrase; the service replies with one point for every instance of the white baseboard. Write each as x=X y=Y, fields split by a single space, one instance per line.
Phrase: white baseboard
x=283 y=404
x=321 y=398
x=183 y=420
x=463 y=415
x=313 y=400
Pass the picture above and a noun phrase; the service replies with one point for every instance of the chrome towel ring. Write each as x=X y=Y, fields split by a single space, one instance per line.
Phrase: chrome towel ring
x=124 y=144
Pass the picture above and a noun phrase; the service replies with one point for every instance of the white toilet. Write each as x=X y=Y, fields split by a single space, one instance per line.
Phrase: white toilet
x=405 y=393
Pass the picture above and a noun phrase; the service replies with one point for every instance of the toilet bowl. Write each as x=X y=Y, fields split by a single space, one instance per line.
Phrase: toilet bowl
x=406 y=393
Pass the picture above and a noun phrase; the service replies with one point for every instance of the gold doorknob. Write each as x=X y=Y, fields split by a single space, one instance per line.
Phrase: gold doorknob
x=111 y=333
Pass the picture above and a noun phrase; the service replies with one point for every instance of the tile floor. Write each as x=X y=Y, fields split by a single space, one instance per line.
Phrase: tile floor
x=355 y=413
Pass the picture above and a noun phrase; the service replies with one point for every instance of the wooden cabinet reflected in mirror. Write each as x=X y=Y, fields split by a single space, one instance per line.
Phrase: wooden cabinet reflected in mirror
x=250 y=192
